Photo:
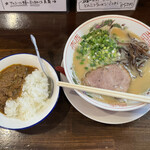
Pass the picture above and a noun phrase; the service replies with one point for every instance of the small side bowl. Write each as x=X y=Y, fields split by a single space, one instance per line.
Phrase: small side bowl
x=133 y=25
x=32 y=60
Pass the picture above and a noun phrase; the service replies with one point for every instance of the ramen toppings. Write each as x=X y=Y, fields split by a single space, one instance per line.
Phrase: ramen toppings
x=98 y=48
x=112 y=77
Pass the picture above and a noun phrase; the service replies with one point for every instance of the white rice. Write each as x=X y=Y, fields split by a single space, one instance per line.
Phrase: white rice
x=34 y=97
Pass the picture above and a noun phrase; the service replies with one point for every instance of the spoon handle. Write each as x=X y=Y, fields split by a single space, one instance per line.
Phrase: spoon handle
x=37 y=51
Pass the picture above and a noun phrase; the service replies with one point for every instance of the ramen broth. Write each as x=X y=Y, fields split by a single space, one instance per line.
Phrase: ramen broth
x=138 y=85
x=123 y=34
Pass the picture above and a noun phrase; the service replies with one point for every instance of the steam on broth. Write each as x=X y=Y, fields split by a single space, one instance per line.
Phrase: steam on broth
x=110 y=43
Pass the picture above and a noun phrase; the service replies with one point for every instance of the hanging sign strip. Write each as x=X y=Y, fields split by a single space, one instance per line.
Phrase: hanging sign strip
x=105 y=5
x=33 y=5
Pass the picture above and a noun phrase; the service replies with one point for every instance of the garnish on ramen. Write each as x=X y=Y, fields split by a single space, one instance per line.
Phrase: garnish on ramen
x=23 y=91
x=110 y=56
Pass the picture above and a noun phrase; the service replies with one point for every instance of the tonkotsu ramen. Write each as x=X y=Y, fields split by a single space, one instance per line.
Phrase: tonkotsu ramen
x=110 y=56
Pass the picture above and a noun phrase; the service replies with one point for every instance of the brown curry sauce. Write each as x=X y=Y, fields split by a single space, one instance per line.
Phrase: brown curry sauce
x=11 y=82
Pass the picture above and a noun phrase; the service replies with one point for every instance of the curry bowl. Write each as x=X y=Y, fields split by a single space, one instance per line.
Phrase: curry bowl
x=22 y=117
x=85 y=52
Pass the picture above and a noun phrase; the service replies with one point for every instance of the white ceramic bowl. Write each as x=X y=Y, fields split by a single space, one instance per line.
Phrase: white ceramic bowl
x=29 y=59
x=133 y=25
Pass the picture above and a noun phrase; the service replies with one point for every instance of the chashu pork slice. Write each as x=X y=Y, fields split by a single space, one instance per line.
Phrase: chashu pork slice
x=111 y=77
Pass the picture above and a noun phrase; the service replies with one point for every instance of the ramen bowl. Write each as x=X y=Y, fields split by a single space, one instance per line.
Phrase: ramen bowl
x=30 y=60
x=137 y=27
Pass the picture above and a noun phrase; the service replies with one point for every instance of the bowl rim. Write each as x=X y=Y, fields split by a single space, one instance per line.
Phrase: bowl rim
x=94 y=102
x=58 y=93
